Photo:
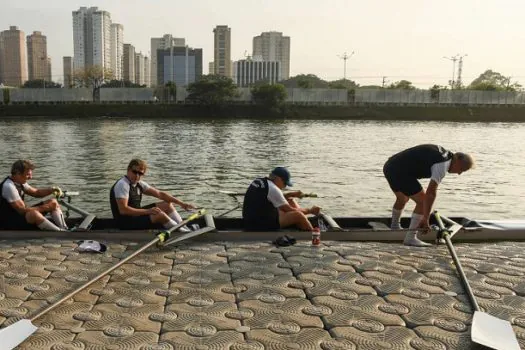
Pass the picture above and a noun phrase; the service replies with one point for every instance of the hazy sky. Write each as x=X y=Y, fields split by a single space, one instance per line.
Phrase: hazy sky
x=402 y=39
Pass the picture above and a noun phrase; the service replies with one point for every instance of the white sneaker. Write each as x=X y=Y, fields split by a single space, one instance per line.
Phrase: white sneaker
x=415 y=242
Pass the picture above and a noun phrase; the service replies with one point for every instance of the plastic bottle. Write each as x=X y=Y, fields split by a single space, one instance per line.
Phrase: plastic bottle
x=316 y=236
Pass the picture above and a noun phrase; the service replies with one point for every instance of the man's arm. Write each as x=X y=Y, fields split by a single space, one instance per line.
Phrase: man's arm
x=152 y=191
x=39 y=192
x=430 y=197
x=125 y=209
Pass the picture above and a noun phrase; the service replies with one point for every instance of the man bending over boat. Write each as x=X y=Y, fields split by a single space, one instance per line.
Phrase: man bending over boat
x=266 y=208
x=125 y=198
x=402 y=172
x=15 y=215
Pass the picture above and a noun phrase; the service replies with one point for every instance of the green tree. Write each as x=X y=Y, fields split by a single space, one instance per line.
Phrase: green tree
x=269 y=95
x=172 y=90
x=40 y=83
x=342 y=84
x=494 y=81
x=434 y=91
x=92 y=77
x=121 y=84
x=402 y=84
x=305 y=81
x=212 y=90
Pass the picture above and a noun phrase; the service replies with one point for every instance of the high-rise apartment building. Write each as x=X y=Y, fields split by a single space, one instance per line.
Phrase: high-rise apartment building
x=222 y=51
x=273 y=46
x=167 y=41
x=147 y=71
x=37 y=60
x=92 y=38
x=128 y=65
x=182 y=65
x=248 y=72
x=211 y=68
x=139 y=68
x=117 y=50
x=67 y=62
x=13 y=57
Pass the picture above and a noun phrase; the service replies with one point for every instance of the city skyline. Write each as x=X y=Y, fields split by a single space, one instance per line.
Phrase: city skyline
x=402 y=40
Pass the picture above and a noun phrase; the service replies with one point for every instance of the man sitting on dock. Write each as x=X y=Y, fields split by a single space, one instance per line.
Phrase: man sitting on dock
x=126 y=196
x=15 y=215
x=266 y=208
x=402 y=172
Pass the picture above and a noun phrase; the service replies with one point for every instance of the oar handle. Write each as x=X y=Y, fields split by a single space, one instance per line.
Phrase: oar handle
x=459 y=268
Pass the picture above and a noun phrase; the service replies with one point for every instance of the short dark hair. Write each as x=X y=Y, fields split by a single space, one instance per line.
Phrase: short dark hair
x=137 y=162
x=21 y=166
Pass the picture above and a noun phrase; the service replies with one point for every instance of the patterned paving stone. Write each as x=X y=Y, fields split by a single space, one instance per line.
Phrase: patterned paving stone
x=18 y=285
x=222 y=316
x=191 y=272
x=201 y=289
x=48 y=339
x=364 y=308
x=278 y=287
x=194 y=257
x=445 y=281
x=509 y=307
x=111 y=315
x=345 y=285
x=116 y=338
x=149 y=271
x=204 y=337
x=370 y=335
x=329 y=264
x=136 y=293
x=429 y=311
x=240 y=270
x=447 y=338
x=290 y=338
x=407 y=283
x=62 y=317
x=53 y=289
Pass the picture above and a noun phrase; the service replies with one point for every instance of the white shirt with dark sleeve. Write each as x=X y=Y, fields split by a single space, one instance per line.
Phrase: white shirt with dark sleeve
x=275 y=195
x=439 y=170
x=123 y=185
x=10 y=191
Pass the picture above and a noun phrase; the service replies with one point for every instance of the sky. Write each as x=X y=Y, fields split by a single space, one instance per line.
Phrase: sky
x=402 y=39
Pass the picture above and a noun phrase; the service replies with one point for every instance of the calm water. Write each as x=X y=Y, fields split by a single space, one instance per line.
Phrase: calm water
x=339 y=160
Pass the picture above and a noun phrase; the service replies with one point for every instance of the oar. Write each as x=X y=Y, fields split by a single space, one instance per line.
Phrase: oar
x=15 y=334
x=486 y=329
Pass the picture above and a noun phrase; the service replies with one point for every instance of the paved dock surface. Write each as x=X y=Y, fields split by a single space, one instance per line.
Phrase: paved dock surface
x=254 y=296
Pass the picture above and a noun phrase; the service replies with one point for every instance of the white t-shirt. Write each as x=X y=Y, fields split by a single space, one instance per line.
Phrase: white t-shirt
x=123 y=185
x=439 y=170
x=275 y=195
x=10 y=191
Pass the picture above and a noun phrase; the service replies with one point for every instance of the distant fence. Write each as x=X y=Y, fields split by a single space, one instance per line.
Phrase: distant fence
x=295 y=96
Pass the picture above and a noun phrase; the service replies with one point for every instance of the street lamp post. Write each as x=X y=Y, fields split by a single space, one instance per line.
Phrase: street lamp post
x=345 y=57
x=453 y=59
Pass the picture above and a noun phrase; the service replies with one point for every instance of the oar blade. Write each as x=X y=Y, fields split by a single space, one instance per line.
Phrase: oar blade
x=493 y=332
x=12 y=336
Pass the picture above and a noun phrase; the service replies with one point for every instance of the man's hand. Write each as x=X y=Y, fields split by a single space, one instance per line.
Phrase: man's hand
x=424 y=226
x=57 y=191
x=154 y=211
x=314 y=210
x=187 y=206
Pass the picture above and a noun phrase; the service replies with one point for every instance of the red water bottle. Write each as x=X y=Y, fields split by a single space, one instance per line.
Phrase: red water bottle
x=316 y=236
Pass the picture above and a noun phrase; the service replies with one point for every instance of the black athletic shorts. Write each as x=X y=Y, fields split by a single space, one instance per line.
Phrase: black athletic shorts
x=400 y=182
x=143 y=222
x=261 y=224
x=17 y=223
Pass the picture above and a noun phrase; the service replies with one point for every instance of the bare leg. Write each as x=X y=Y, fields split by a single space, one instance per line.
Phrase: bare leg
x=36 y=218
x=172 y=213
x=417 y=215
x=294 y=218
x=397 y=210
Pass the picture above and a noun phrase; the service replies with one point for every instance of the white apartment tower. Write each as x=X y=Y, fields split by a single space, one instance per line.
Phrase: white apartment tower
x=117 y=50
x=273 y=46
x=92 y=38
x=166 y=42
x=147 y=72
x=139 y=68
x=222 y=51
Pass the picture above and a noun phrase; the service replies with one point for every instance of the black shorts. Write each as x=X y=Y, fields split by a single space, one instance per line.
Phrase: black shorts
x=17 y=223
x=400 y=182
x=261 y=224
x=143 y=222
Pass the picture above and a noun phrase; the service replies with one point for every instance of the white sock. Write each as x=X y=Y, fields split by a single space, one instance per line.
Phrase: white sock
x=47 y=225
x=172 y=223
x=396 y=219
x=169 y=224
x=58 y=218
x=174 y=215
x=411 y=236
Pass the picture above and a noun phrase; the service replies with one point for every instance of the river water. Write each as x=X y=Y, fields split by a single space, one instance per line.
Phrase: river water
x=341 y=161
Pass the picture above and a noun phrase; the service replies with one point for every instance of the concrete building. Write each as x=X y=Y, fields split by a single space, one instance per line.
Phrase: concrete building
x=273 y=46
x=128 y=64
x=247 y=72
x=222 y=51
x=117 y=50
x=147 y=71
x=13 y=57
x=67 y=63
x=49 y=76
x=139 y=68
x=91 y=38
x=182 y=65
x=211 y=68
x=37 y=59
x=163 y=43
